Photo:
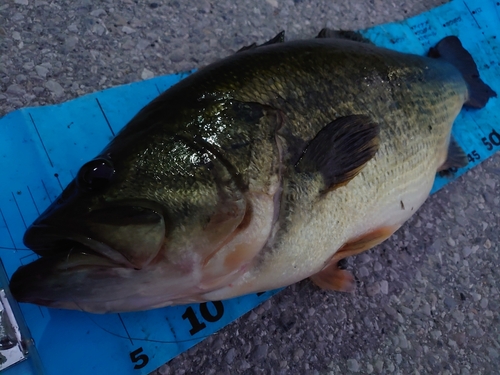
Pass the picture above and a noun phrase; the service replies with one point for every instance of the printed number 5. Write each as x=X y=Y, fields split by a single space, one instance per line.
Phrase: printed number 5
x=136 y=356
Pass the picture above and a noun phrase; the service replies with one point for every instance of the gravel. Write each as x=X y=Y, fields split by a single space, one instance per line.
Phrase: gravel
x=428 y=298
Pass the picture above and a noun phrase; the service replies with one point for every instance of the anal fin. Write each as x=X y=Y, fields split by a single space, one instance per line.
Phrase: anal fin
x=331 y=277
x=455 y=158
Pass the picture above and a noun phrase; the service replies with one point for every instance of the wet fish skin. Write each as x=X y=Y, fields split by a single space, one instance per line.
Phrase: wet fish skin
x=204 y=195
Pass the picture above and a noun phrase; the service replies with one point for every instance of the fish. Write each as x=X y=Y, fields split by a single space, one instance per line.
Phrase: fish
x=259 y=170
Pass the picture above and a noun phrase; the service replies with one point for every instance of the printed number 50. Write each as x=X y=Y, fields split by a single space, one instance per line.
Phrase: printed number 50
x=136 y=356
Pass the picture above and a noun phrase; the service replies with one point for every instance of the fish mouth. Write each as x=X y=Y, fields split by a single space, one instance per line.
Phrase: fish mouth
x=84 y=263
x=50 y=242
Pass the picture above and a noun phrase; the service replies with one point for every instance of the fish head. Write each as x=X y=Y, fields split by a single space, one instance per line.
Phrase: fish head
x=130 y=231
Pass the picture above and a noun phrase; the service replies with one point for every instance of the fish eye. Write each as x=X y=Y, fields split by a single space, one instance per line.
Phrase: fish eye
x=95 y=175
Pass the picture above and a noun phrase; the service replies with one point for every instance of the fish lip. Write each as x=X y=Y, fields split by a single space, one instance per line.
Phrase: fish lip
x=48 y=241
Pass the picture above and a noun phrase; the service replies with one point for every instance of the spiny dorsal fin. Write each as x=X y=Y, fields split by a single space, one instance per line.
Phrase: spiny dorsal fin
x=343 y=34
x=279 y=38
x=340 y=150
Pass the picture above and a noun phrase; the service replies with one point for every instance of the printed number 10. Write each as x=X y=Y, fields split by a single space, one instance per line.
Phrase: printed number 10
x=206 y=314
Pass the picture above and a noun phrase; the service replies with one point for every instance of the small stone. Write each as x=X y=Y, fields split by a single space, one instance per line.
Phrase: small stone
x=273 y=3
x=399 y=358
x=297 y=355
x=41 y=71
x=369 y=368
x=244 y=365
x=487 y=244
x=128 y=30
x=426 y=309
x=230 y=355
x=55 y=87
x=436 y=334
x=493 y=353
x=176 y=56
x=21 y=2
x=15 y=90
x=16 y=35
x=363 y=271
x=466 y=251
x=261 y=352
x=70 y=43
x=384 y=287
x=377 y=267
x=450 y=302
x=17 y=17
x=353 y=365
x=459 y=316
x=403 y=341
x=20 y=78
x=390 y=366
x=147 y=74
x=484 y=303
x=373 y=289
x=379 y=365
x=73 y=28
x=97 y=12
x=451 y=242
x=364 y=258
x=142 y=44
x=29 y=65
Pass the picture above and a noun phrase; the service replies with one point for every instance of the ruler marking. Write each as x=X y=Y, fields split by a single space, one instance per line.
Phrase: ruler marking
x=46 y=191
x=8 y=230
x=56 y=175
x=19 y=209
x=157 y=89
x=105 y=117
x=125 y=327
x=33 y=200
x=472 y=15
x=41 y=141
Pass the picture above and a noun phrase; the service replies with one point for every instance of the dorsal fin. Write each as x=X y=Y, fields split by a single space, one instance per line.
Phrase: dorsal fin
x=279 y=38
x=343 y=34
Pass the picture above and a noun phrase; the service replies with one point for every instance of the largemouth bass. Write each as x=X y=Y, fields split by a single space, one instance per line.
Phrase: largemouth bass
x=257 y=171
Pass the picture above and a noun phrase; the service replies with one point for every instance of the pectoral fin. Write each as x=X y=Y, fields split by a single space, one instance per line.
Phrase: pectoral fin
x=332 y=277
x=340 y=150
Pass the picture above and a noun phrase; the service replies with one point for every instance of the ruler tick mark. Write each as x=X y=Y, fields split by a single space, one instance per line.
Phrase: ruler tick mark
x=125 y=328
x=8 y=230
x=41 y=141
x=19 y=209
x=472 y=15
x=46 y=191
x=33 y=199
x=105 y=117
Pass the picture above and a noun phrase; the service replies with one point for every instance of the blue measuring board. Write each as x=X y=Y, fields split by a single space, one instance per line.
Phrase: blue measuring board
x=41 y=150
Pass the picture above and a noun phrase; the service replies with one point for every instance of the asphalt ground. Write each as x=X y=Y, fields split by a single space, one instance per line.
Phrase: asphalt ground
x=428 y=298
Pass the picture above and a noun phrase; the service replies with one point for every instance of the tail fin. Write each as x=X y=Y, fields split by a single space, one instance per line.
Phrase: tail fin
x=451 y=50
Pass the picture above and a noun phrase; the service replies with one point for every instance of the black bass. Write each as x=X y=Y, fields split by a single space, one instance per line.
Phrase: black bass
x=253 y=173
